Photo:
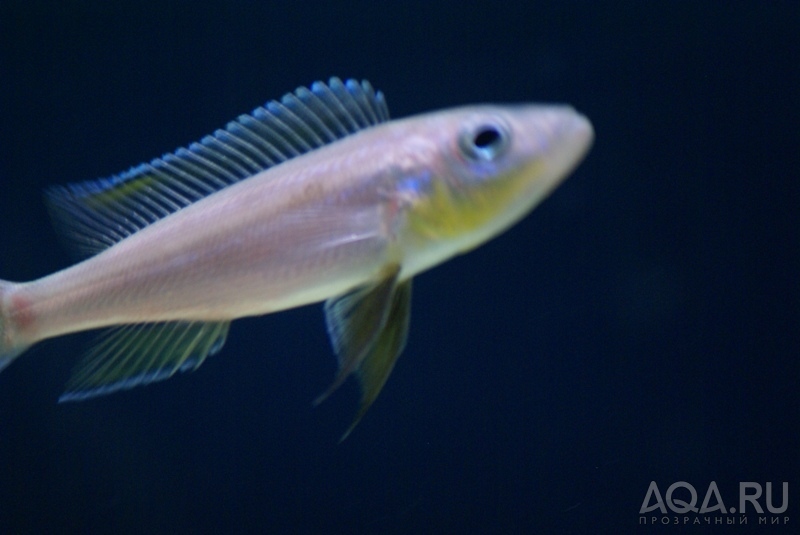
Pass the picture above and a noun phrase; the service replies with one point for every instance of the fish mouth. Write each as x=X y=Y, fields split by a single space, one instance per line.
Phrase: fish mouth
x=581 y=134
x=568 y=136
x=575 y=136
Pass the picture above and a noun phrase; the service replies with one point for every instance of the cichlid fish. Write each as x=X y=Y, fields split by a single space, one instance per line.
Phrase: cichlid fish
x=318 y=197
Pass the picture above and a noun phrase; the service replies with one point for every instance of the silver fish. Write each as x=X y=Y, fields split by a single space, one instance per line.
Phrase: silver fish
x=316 y=197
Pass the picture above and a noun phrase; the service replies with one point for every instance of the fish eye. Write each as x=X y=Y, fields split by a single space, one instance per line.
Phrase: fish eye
x=484 y=143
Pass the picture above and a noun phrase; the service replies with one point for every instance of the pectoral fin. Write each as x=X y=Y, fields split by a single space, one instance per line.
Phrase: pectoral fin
x=368 y=329
x=379 y=361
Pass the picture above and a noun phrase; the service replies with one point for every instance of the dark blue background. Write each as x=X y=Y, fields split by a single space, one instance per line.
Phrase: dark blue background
x=641 y=325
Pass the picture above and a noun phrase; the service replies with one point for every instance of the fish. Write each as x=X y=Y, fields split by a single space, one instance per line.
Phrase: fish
x=315 y=197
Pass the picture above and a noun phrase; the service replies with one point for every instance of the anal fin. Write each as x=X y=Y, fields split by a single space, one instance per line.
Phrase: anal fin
x=134 y=355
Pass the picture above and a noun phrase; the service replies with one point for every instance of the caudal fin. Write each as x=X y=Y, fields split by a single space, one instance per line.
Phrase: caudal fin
x=8 y=349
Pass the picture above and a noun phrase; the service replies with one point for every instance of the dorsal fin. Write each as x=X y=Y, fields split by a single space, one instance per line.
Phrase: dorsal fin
x=99 y=213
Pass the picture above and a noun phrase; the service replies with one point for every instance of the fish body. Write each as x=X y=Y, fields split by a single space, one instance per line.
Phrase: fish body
x=318 y=197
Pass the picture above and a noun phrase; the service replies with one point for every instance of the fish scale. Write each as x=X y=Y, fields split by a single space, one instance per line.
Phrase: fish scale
x=314 y=197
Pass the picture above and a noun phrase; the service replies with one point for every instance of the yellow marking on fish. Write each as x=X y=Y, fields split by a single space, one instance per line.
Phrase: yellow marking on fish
x=316 y=197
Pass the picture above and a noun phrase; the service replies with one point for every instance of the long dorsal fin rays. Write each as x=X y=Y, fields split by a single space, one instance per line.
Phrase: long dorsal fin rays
x=95 y=215
x=134 y=355
x=368 y=328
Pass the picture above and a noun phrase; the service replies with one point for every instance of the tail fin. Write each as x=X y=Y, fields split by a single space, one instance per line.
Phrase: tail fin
x=8 y=349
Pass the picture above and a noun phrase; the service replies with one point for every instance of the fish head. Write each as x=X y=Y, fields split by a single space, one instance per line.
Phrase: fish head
x=493 y=165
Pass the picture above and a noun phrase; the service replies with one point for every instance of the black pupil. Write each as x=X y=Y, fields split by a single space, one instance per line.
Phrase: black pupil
x=486 y=138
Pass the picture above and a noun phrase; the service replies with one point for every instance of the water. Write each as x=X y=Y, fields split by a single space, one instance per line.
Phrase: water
x=640 y=325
